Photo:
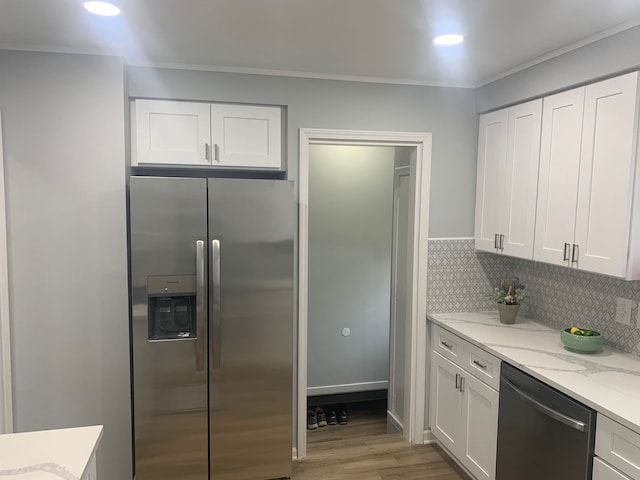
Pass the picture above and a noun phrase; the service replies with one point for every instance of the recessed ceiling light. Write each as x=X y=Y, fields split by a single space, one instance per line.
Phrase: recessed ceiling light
x=102 y=8
x=450 y=39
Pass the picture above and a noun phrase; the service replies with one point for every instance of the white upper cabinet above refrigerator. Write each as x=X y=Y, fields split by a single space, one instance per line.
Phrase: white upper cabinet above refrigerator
x=587 y=176
x=246 y=136
x=206 y=135
x=175 y=133
x=508 y=154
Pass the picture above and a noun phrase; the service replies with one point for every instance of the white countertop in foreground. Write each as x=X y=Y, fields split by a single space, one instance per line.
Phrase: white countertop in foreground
x=608 y=381
x=48 y=454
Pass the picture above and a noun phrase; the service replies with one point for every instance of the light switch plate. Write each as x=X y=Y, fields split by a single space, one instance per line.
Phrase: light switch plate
x=623 y=310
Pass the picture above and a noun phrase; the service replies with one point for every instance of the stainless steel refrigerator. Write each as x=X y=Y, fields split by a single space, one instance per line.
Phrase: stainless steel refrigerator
x=212 y=327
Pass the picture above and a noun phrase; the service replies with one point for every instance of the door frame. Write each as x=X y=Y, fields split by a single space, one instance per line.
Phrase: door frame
x=419 y=213
x=6 y=403
x=404 y=171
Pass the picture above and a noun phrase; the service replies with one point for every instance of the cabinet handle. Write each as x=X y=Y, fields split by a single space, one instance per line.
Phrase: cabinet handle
x=501 y=242
x=565 y=255
x=461 y=384
x=458 y=377
x=207 y=152
x=445 y=344
x=216 y=152
x=574 y=253
x=484 y=367
x=495 y=241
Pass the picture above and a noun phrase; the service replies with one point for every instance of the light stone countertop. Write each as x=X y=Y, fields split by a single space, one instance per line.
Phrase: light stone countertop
x=48 y=454
x=607 y=381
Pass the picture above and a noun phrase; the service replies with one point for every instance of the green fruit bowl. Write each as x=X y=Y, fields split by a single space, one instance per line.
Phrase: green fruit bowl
x=581 y=343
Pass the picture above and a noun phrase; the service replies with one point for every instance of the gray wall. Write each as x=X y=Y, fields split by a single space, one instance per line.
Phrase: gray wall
x=448 y=113
x=63 y=129
x=350 y=232
x=616 y=54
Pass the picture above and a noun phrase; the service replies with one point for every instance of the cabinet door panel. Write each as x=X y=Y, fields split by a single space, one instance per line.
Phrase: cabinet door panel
x=521 y=183
x=606 y=173
x=480 y=421
x=558 y=177
x=246 y=136
x=604 y=471
x=492 y=155
x=170 y=132
x=445 y=403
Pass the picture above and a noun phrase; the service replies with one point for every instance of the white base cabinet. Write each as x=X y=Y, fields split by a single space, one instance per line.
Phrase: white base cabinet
x=206 y=135
x=617 y=451
x=463 y=411
x=604 y=471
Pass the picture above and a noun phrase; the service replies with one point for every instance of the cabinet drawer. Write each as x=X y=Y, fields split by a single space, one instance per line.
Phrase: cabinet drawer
x=448 y=345
x=618 y=446
x=604 y=471
x=482 y=365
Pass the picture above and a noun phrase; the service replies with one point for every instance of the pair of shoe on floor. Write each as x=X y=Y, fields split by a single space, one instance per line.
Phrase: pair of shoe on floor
x=317 y=418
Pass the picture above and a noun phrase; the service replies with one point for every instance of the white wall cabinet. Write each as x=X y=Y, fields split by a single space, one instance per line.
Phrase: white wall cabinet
x=463 y=411
x=206 y=135
x=508 y=155
x=587 y=177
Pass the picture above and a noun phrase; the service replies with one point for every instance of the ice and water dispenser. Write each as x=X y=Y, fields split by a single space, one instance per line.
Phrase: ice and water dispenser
x=171 y=302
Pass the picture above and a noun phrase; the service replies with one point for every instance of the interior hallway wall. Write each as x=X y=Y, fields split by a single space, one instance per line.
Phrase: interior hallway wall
x=350 y=233
x=63 y=128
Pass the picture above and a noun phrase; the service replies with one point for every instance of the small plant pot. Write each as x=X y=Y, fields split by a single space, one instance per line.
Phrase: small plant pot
x=508 y=313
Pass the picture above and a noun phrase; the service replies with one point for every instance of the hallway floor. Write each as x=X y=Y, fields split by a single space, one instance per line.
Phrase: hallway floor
x=362 y=450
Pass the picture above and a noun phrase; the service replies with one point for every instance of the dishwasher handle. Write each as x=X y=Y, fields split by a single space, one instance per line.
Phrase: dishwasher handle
x=560 y=417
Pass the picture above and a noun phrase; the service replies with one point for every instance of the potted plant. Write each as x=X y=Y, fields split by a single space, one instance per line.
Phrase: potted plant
x=509 y=294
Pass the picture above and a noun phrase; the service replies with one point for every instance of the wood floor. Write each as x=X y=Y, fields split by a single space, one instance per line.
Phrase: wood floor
x=362 y=450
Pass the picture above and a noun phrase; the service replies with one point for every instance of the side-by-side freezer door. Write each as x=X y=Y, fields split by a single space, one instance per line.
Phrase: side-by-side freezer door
x=169 y=335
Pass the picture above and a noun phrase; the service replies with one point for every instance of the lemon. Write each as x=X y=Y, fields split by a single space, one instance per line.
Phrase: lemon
x=575 y=330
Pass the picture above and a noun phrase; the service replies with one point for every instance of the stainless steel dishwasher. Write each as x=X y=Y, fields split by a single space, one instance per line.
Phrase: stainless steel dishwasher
x=542 y=433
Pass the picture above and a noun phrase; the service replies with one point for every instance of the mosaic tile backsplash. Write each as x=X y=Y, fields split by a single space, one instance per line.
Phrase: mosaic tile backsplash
x=460 y=279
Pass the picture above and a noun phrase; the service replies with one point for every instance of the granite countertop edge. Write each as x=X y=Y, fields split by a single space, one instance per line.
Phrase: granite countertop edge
x=585 y=389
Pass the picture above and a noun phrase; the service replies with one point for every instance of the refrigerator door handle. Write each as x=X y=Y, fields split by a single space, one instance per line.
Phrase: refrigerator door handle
x=200 y=293
x=216 y=326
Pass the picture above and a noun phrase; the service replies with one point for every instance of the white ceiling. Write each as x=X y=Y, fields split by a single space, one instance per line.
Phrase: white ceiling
x=378 y=40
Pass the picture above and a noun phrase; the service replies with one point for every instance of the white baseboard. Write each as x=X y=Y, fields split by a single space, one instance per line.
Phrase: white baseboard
x=428 y=437
x=395 y=422
x=347 y=388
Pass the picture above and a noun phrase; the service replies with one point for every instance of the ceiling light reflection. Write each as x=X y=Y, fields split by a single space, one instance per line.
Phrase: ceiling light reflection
x=105 y=9
x=450 y=39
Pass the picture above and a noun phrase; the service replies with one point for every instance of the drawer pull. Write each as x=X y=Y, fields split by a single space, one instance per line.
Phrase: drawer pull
x=484 y=367
x=445 y=344
x=457 y=379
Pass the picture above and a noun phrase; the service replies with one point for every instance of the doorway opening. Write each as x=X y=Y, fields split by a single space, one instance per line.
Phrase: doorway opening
x=403 y=344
